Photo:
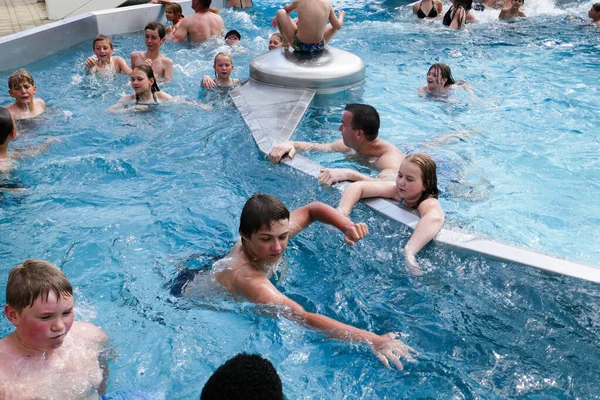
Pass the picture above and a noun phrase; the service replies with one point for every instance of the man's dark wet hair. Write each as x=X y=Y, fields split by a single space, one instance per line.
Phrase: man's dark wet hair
x=6 y=124
x=365 y=118
x=157 y=26
x=259 y=211
x=244 y=377
x=205 y=3
x=596 y=7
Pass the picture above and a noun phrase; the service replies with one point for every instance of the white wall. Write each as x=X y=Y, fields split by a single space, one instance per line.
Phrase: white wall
x=59 y=9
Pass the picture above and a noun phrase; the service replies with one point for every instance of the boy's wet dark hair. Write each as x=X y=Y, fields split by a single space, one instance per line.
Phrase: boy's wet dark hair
x=6 y=124
x=244 y=377
x=32 y=279
x=365 y=118
x=261 y=210
x=157 y=26
x=596 y=7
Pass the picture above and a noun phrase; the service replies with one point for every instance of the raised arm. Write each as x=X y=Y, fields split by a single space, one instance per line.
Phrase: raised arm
x=363 y=190
x=317 y=211
x=333 y=19
x=289 y=148
x=259 y=289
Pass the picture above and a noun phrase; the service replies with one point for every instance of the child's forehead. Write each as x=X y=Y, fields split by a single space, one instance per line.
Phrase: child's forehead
x=49 y=301
x=151 y=31
x=20 y=81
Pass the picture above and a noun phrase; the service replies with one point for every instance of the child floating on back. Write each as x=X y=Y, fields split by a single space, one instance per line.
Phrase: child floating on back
x=104 y=61
x=8 y=133
x=154 y=35
x=415 y=187
x=223 y=66
x=310 y=33
x=22 y=88
x=49 y=355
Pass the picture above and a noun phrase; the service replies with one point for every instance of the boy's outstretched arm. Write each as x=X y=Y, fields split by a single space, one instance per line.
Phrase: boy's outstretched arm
x=38 y=150
x=317 y=211
x=386 y=347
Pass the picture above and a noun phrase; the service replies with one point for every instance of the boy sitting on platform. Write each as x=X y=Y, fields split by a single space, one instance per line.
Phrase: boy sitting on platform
x=48 y=356
x=310 y=32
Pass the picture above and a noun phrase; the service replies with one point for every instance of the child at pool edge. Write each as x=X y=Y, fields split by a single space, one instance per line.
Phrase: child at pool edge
x=276 y=41
x=266 y=225
x=174 y=14
x=513 y=11
x=8 y=133
x=49 y=355
x=440 y=83
x=415 y=187
x=103 y=60
x=311 y=32
x=22 y=88
x=154 y=35
x=223 y=66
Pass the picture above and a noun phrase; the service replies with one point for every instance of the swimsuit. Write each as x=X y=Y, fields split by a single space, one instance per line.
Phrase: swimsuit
x=137 y=98
x=448 y=17
x=432 y=13
x=307 y=47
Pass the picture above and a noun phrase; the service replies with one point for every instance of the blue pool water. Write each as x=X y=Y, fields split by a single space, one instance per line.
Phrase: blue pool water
x=127 y=200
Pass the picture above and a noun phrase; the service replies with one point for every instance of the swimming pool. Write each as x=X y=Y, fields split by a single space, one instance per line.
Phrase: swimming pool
x=126 y=200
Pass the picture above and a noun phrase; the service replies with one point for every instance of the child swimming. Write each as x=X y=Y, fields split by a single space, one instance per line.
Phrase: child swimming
x=440 y=83
x=147 y=92
x=415 y=187
x=8 y=133
x=223 y=66
x=513 y=11
x=104 y=61
x=49 y=355
x=22 y=88
x=174 y=15
x=162 y=66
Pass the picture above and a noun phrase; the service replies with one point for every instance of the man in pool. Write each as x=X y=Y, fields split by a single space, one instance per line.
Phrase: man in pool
x=311 y=32
x=49 y=355
x=594 y=13
x=8 y=133
x=200 y=26
x=360 y=129
x=266 y=225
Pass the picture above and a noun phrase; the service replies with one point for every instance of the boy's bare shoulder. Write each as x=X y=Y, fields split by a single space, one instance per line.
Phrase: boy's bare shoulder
x=88 y=331
x=39 y=102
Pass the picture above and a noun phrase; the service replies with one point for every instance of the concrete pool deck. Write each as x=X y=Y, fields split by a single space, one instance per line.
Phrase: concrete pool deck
x=20 y=15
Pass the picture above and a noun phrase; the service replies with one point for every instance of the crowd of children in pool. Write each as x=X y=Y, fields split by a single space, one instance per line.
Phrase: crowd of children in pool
x=40 y=298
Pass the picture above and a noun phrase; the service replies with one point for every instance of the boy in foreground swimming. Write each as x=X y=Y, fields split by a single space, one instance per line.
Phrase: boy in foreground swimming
x=266 y=225
x=513 y=11
x=8 y=133
x=311 y=32
x=22 y=88
x=49 y=355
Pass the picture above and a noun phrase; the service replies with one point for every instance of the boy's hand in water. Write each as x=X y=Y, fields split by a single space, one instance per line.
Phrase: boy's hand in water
x=390 y=348
x=355 y=232
x=91 y=62
x=53 y=140
x=281 y=150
